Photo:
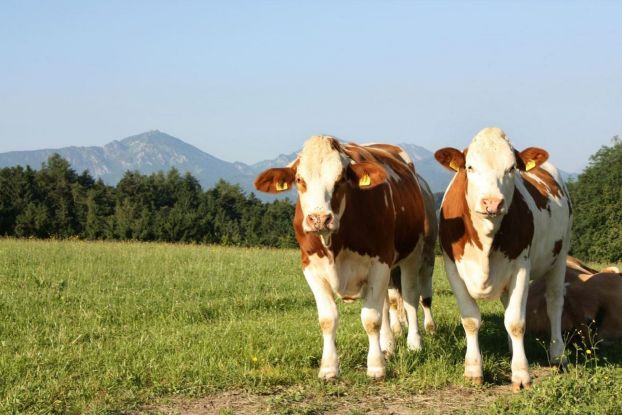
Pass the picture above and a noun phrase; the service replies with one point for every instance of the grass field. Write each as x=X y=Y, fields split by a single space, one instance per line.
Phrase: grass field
x=90 y=327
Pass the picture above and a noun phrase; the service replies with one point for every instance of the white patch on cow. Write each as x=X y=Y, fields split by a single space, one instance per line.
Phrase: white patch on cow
x=320 y=167
x=404 y=155
x=489 y=163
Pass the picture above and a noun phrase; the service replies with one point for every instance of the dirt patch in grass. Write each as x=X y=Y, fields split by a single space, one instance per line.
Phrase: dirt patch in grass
x=448 y=400
x=375 y=400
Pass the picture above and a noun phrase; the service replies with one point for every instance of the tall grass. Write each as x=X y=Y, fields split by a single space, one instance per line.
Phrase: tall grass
x=94 y=327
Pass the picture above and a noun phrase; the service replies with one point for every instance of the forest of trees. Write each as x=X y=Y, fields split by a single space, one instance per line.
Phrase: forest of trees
x=55 y=201
x=597 y=199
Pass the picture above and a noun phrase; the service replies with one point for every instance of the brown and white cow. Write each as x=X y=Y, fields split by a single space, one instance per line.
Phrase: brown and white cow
x=505 y=219
x=592 y=304
x=361 y=211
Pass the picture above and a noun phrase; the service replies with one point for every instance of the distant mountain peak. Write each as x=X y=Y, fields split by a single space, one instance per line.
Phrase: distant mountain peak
x=154 y=150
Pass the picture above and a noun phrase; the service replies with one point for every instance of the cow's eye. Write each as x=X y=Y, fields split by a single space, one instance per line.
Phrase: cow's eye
x=470 y=169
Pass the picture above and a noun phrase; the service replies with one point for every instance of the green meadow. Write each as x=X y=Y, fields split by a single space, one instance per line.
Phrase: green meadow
x=108 y=328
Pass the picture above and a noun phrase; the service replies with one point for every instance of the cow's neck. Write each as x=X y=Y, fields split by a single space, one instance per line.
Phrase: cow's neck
x=486 y=229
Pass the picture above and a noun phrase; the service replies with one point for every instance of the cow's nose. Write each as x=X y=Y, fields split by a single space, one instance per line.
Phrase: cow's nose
x=492 y=205
x=320 y=221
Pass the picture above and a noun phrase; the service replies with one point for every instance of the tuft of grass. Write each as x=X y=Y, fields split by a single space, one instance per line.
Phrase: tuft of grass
x=107 y=327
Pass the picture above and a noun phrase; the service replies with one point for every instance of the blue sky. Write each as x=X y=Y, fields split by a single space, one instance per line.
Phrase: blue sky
x=247 y=80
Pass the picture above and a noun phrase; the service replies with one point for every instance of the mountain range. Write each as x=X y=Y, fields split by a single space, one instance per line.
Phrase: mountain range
x=154 y=151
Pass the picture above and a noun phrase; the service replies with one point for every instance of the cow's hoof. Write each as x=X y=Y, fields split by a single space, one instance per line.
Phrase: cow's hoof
x=414 y=342
x=516 y=386
x=328 y=374
x=430 y=328
x=475 y=380
x=376 y=373
x=560 y=363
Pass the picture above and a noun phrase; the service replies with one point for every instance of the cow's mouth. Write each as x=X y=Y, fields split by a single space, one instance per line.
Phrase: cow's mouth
x=491 y=215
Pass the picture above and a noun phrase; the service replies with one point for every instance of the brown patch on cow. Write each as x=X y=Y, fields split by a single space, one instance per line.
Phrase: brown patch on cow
x=517 y=329
x=516 y=230
x=426 y=302
x=470 y=325
x=557 y=248
x=544 y=182
x=455 y=227
x=368 y=226
x=371 y=326
x=327 y=325
x=539 y=195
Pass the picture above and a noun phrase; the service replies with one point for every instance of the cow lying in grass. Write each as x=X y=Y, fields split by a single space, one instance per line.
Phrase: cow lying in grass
x=505 y=219
x=592 y=304
x=361 y=211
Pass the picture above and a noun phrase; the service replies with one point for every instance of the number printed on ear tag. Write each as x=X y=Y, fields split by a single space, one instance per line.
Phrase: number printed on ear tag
x=280 y=186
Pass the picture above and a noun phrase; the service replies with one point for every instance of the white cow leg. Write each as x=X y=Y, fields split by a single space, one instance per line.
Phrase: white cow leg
x=394 y=309
x=387 y=339
x=425 y=281
x=471 y=321
x=505 y=300
x=410 y=294
x=554 y=308
x=371 y=317
x=328 y=318
x=515 y=325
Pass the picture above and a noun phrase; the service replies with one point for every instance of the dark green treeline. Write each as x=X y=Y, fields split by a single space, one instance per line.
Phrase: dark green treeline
x=55 y=201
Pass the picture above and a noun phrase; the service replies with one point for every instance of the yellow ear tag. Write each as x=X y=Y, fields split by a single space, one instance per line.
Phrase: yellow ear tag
x=365 y=181
x=454 y=165
x=281 y=186
x=530 y=165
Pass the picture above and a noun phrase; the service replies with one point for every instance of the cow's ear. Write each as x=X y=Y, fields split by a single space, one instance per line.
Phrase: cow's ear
x=275 y=180
x=366 y=175
x=531 y=158
x=451 y=158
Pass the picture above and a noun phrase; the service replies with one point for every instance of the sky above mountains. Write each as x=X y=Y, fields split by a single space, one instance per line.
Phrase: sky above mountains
x=245 y=80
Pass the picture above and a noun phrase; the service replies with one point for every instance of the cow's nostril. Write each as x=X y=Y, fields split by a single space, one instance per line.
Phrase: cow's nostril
x=328 y=220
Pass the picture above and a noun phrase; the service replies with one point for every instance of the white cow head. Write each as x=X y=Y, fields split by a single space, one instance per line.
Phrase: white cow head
x=322 y=174
x=491 y=165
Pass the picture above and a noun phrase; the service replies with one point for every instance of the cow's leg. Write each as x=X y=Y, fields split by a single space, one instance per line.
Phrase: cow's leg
x=410 y=294
x=395 y=307
x=328 y=318
x=515 y=325
x=387 y=339
x=471 y=322
x=425 y=281
x=505 y=300
x=371 y=316
x=554 y=294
